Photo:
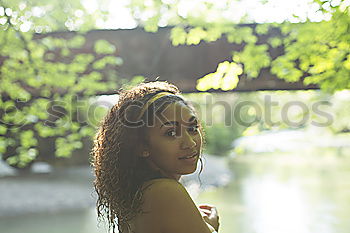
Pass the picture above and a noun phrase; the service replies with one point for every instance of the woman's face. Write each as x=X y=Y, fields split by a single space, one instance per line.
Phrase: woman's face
x=174 y=136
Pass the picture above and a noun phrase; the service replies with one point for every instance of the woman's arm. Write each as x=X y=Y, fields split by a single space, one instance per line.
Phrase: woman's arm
x=174 y=209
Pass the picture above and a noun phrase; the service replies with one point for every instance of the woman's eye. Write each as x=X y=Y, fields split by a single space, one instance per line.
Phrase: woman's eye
x=194 y=128
x=171 y=133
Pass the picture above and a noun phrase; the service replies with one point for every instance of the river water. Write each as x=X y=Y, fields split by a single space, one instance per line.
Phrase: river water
x=288 y=194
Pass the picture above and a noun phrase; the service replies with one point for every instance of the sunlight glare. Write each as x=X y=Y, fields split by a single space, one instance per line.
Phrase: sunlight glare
x=119 y=15
x=252 y=11
x=38 y=11
x=276 y=207
x=25 y=27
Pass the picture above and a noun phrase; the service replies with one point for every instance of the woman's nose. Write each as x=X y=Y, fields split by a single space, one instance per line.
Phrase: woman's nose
x=188 y=141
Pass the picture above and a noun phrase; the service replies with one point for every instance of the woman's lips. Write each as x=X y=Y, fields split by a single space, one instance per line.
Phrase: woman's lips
x=190 y=156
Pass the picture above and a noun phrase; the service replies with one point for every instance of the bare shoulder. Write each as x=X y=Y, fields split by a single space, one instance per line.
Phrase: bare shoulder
x=173 y=207
x=162 y=184
x=163 y=190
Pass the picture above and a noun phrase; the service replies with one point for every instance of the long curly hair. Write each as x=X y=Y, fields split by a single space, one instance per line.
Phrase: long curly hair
x=119 y=169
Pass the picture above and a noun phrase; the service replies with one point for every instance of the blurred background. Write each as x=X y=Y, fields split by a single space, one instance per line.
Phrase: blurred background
x=270 y=81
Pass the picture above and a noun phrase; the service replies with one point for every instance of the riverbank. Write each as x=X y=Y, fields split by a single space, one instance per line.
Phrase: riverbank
x=62 y=189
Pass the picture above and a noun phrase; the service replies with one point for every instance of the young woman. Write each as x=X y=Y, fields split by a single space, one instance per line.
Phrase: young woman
x=146 y=142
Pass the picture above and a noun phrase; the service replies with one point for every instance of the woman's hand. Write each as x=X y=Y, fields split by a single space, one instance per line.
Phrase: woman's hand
x=210 y=215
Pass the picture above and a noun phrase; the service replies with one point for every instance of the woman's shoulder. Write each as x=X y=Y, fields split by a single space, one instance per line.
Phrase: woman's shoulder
x=154 y=188
x=172 y=207
x=161 y=190
x=154 y=183
x=155 y=194
x=147 y=221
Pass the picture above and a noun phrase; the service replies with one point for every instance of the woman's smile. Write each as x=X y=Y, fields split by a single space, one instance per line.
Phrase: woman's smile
x=193 y=154
x=190 y=160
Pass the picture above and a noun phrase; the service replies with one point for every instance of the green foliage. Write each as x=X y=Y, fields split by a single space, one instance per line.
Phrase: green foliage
x=225 y=77
x=254 y=58
x=195 y=35
x=323 y=56
x=104 y=47
x=65 y=146
x=262 y=29
x=76 y=42
x=219 y=139
x=239 y=35
x=27 y=139
x=103 y=62
x=275 y=42
x=178 y=36
x=23 y=157
x=151 y=24
x=317 y=50
x=41 y=79
x=43 y=83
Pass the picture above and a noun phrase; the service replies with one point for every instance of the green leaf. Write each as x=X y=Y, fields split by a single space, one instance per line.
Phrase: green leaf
x=26 y=156
x=45 y=131
x=65 y=147
x=151 y=25
x=225 y=77
x=87 y=131
x=254 y=58
x=104 y=47
x=101 y=63
x=65 y=52
x=346 y=63
x=195 y=35
x=3 y=129
x=76 y=42
x=275 y=42
x=3 y=145
x=27 y=139
x=213 y=34
x=178 y=36
x=262 y=29
x=241 y=34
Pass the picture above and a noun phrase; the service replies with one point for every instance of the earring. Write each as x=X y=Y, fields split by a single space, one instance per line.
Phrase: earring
x=145 y=154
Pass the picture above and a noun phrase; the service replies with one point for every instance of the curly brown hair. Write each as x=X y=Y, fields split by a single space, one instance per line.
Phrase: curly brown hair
x=119 y=169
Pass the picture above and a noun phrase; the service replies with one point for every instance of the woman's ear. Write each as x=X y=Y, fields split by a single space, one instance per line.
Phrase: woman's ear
x=144 y=145
x=145 y=153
